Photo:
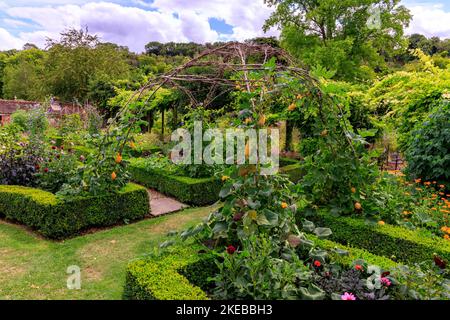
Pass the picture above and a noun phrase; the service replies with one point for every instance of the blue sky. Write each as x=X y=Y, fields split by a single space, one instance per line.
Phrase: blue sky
x=135 y=22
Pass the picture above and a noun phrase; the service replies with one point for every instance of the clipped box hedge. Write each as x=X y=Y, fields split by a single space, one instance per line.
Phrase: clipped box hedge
x=395 y=242
x=160 y=278
x=193 y=191
x=62 y=218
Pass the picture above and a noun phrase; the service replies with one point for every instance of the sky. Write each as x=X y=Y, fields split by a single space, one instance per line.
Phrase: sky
x=134 y=23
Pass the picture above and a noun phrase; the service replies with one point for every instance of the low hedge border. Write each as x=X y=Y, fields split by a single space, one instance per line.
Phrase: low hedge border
x=353 y=254
x=182 y=273
x=193 y=191
x=58 y=218
x=160 y=278
x=395 y=242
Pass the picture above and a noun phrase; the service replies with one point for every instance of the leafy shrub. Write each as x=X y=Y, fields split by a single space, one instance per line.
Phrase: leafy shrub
x=428 y=154
x=423 y=281
x=157 y=278
x=56 y=170
x=59 y=218
x=19 y=164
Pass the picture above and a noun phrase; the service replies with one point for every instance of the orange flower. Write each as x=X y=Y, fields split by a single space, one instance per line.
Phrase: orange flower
x=418 y=189
x=381 y=223
x=358 y=206
x=132 y=145
x=446 y=237
x=441 y=186
x=113 y=176
x=353 y=189
x=434 y=209
x=407 y=194
x=118 y=158
x=248 y=120
x=284 y=205
x=427 y=183
x=292 y=107
x=434 y=182
x=418 y=180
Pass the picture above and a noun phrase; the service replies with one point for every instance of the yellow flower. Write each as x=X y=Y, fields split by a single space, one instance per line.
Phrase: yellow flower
x=284 y=205
x=381 y=223
x=248 y=120
x=252 y=214
x=225 y=178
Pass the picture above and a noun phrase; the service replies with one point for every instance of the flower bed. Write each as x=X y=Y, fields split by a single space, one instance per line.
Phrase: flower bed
x=58 y=218
x=409 y=246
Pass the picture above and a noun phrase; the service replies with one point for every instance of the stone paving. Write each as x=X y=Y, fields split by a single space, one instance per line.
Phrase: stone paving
x=161 y=204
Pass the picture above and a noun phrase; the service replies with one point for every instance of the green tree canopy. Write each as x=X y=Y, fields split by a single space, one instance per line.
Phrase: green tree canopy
x=79 y=57
x=351 y=37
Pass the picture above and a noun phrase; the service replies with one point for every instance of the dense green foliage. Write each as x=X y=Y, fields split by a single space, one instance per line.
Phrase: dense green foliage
x=428 y=153
x=349 y=38
x=159 y=279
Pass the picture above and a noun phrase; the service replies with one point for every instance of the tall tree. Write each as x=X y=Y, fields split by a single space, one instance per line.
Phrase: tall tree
x=350 y=37
x=23 y=75
x=78 y=58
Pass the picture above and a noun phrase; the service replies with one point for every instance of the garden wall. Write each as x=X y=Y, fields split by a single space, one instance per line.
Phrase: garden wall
x=58 y=219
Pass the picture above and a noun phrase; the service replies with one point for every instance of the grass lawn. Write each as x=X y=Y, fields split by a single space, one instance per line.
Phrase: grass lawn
x=35 y=268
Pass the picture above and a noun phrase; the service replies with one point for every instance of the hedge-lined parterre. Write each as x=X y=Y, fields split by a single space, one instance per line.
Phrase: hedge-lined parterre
x=60 y=218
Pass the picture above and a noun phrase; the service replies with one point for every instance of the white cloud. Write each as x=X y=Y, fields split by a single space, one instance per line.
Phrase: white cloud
x=430 y=20
x=7 y=41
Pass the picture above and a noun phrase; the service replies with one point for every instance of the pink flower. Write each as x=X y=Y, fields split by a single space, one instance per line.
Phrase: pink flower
x=385 y=281
x=348 y=296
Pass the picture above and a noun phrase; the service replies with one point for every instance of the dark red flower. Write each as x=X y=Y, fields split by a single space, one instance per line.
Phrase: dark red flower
x=385 y=274
x=37 y=167
x=62 y=148
x=359 y=267
x=317 y=263
x=439 y=262
x=231 y=249
x=54 y=147
x=58 y=156
x=46 y=170
x=237 y=216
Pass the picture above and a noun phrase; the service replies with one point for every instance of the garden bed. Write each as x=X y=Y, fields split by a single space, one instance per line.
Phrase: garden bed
x=395 y=242
x=62 y=218
x=181 y=273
